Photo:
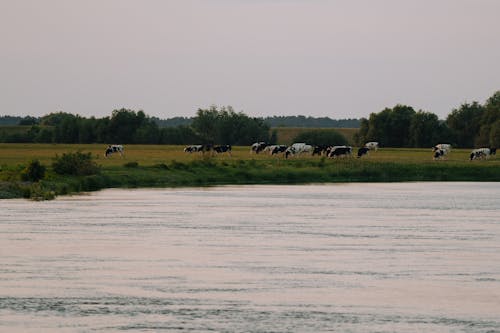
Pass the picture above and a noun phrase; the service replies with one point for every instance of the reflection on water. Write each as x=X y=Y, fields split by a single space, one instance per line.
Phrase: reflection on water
x=413 y=257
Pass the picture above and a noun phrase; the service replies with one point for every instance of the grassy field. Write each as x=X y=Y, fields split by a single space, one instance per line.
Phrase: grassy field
x=17 y=153
x=164 y=166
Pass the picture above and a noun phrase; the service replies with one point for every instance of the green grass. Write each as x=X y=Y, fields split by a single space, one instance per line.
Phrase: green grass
x=169 y=166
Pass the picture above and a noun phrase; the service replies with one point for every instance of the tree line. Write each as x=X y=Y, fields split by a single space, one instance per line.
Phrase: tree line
x=470 y=125
x=273 y=121
x=213 y=125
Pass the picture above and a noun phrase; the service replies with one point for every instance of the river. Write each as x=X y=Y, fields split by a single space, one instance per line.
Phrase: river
x=397 y=257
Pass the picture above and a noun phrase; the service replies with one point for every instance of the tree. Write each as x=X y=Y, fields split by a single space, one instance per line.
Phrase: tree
x=399 y=125
x=225 y=126
x=123 y=125
x=465 y=122
x=495 y=134
x=424 y=129
x=390 y=127
x=205 y=124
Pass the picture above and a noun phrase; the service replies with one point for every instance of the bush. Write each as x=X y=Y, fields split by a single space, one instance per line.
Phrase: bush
x=76 y=164
x=33 y=172
x=327 y=137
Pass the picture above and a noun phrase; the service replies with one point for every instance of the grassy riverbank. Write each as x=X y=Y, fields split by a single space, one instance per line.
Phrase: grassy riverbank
x=169 y=166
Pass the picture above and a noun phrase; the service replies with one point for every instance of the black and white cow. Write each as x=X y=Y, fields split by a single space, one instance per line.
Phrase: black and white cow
x=223 y=149
x=193 y=149
x=372 y=145
x=198 y=148
x=363 y=151
x=113 y=149
x=319 y=150
x=441 y=150
x=340 y=151
x=275 y=149
x=482 y=153
x=257 y=147
x=298 y=149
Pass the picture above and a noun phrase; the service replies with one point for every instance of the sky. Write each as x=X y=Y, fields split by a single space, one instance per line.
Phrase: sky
x=320 y=58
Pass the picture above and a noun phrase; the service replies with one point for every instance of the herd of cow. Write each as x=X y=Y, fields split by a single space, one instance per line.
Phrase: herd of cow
x=440 y=151
x=443 y=149
x=298 y=149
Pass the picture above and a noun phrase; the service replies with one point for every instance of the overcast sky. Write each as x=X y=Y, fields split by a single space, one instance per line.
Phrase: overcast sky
x=334 y=58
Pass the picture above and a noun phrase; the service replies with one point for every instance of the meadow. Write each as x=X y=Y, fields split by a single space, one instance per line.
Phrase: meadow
x=168 y=166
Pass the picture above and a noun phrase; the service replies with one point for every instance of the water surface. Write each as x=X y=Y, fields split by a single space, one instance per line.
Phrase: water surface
x=403 y=257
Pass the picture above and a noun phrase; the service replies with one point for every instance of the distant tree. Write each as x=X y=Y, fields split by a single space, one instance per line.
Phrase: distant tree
x=424 y=130
x=488 y=131
x=465 y=122
x=495 y=134
x=361 y=137
x=28 y=120
x=9 y=120
x=45 y=135
x=205 y=124
x=147 y=133
x=123 y=124
x=225 y=126
x=390 y=127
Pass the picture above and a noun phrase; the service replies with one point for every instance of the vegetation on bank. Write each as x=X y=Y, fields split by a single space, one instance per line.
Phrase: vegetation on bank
x=65 y=169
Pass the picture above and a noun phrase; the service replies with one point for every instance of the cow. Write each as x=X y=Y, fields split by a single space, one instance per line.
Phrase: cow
x=111 y=149
x=298 y=149
x=319 y=150
x=363 y=151
x=275 y=149
x=441 y=150
x=372 y=145
x=482 y=153
x=198 y=148
x=222 y=149
x=193 y=149
x=440 y=153
x=340 y=151
x=442 y=146
x=257 y=147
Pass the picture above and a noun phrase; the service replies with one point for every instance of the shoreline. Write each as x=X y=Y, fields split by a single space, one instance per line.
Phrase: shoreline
x=213 y=172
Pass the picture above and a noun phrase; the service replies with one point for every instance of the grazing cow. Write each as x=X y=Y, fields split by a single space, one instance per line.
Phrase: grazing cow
x=319 y=150
x=298 y=149
x=223 y=149
x=198 y=148
x=443 y=146
x=372 y=145
x=275 y=149
x=482 y=153
x=257 y=147
x=441 y=150
x=340 y=151
x=363 y=151
x=332 y=148
x=440 y=153
x=113 y=149
x=193 y=149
